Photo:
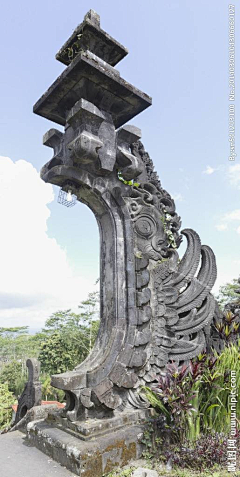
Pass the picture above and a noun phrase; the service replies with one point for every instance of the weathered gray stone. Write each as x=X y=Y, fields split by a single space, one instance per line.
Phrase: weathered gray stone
x=32 y=393
x=139 y=230
x=36 y=413
x=153 y=307
x=94 y=454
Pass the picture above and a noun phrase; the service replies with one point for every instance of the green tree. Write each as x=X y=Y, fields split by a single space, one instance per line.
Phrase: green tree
x=11 y=373
x=90 y=316
x=58 y=352
x=6 y=402
x=16 y=344
x=230 y=292
x=68 y=337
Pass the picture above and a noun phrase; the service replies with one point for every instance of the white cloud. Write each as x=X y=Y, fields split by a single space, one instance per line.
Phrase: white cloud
x=221 y=227
x=234 y=215
x=234 y=175
x=34 y=267
x=228 y=218
x=209 y=170
x=177 y=197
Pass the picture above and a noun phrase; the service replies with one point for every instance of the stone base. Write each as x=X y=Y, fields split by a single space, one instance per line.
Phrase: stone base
x=91 y=448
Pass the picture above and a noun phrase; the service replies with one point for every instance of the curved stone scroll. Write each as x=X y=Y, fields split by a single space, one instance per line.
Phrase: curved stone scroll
x=32 y=393
x=154 y=306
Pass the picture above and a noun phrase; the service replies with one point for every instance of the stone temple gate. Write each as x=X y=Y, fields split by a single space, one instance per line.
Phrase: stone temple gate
x=154 y=306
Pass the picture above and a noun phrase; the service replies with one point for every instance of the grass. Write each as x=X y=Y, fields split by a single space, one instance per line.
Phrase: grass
x=215 y=472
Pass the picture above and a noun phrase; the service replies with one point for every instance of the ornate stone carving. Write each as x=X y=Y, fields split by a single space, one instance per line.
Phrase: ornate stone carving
x=32 y=393
x=154 y=306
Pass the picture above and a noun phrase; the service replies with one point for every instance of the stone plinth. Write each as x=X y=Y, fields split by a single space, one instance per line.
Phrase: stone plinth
x=90 y=448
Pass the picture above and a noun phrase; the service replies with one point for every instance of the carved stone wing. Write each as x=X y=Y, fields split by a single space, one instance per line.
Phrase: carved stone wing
x=182 y=305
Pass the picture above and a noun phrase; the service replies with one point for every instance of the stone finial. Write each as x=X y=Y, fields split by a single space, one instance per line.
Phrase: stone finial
x=93 y=17
x=32 y=393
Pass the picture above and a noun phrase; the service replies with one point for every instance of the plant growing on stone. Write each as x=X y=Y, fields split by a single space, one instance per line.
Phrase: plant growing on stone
x=130 y=183
x=167 y=226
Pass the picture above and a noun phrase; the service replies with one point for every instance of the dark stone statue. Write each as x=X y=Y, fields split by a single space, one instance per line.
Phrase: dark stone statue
x=154 y=306
x=32 y=393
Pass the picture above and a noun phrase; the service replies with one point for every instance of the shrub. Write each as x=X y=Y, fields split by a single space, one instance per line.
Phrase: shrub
x=6 y=402
x=206 y=452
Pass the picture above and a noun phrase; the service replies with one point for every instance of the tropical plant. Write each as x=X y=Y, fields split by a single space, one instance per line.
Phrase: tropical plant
x=50 y=393
x=228 y=328
x=206 y=452
x=6 y=402
x=173 y=398
x=194 y=399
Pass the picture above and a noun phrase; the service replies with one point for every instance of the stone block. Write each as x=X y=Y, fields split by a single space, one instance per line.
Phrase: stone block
x=93 y=458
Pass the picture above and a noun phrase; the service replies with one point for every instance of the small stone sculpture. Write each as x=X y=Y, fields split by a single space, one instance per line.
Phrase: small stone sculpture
x=32 y=393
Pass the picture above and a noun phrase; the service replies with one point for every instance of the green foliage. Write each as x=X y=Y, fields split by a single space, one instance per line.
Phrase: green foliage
x=48 y=392
x=72 y=51
x=10 y=332
x=207 y=451
x=64 y=342
x=12 y=373
x=210 y=381
x=69 y=337
x=228 y=293
x=194 y=400
x=16 y=344
x=121 y=473
x=130 y=183
x=228 y=328
x=215 y=471
x=6 y=402
x=173 y=398
x=167 y=226
x=193 y=410
x=58 y=353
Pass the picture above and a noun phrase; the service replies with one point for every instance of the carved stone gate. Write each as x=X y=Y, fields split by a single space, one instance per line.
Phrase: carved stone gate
x=153 y=307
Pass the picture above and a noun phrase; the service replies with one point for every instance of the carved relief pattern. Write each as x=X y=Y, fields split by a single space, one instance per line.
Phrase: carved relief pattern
x=177 y=306
x=163 y=311
x=173 y=308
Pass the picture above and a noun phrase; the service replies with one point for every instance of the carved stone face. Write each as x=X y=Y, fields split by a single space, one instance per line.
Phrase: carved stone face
x=150 y=235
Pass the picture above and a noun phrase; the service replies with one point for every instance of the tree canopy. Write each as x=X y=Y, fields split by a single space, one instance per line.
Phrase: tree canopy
x=230 y=292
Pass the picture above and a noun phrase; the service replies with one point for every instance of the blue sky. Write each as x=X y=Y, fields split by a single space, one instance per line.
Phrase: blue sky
x=178 y=54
